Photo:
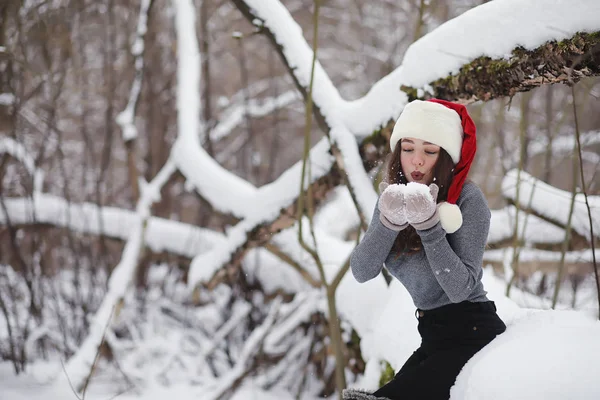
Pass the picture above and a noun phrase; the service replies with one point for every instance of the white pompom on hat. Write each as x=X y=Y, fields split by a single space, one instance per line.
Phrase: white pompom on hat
x=449 y=126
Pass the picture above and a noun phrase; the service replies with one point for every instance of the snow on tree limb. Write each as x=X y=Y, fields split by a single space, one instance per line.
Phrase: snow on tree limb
x=333 y=112
x=81 y=364
x=19 y=153
x=550 y=203
x=125 y=119
x=485 y=79
x=265 y=211
x=275 y=210
x=217 y=388
x=255 y=109
x=384 y=101
x=496 y=61
x=161 y=234
x=191 y=159
x=275 y=21
x=541 y=256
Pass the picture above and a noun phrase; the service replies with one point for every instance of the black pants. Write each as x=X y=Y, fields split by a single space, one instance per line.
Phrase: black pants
x=450 y=336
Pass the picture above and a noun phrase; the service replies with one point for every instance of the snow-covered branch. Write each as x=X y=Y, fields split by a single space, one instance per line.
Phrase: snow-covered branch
x=17 y=151
x=540 y=256
x=126 y=118
x=566 y=144
x=286 y=35
x=191 y=159
x=252 y=345
x=7 y=99
x=482 y=67
x=81 y=364
x=276 y=22
x=161 y=234
x=255 y=109
x=535 y=231
x=551 y=203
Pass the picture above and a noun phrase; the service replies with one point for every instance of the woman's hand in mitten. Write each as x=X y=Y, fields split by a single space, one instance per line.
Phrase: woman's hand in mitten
x=421 y=206
x=391 y=206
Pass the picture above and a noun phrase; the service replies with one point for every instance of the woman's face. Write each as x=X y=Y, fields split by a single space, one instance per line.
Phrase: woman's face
x=418 y=158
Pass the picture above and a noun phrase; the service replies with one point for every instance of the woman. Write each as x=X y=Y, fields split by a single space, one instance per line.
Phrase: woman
x=430 y=228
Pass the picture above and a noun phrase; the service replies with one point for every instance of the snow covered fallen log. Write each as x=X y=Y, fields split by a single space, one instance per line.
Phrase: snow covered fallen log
x=483 y=66
x=161 y=234
x=551 y=203
x=544 y=354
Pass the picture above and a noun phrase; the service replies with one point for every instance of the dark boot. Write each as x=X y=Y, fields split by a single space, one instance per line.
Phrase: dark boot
x=357 y=394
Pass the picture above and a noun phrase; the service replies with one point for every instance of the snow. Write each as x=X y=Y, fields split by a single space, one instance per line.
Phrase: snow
x=561 y=345
x=265 y=206
x=533 y=255
x=532 y=229
x=494 y=29
x=565 y=144
x=552 y=203
x=18 y=152
x=6 y=99
x=298 y=53
x=555 y=351
x=80 y=364
x=417 y=189
x=161 y=234
x=125 y=118
x=235 y=115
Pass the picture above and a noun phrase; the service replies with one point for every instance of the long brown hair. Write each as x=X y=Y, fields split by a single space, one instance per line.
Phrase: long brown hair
x=408 y=240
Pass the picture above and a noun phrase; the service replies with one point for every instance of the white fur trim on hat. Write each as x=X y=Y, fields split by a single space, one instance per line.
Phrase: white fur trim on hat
x=431 y=122
x=450 y=216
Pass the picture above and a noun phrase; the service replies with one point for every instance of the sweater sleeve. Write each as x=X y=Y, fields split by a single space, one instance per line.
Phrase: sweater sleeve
x=366 y=260
x=456 y=260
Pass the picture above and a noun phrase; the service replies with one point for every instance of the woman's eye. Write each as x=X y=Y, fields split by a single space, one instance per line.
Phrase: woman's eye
x=431 y=153
x=407 y=150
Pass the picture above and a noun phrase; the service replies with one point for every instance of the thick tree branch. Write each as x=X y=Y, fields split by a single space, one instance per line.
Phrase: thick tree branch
x=262 y=233
x=578 y=240
x=252 y=16
x=567 y=61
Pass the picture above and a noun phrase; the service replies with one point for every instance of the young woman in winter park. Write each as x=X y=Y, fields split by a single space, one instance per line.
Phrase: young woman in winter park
x=430 y=228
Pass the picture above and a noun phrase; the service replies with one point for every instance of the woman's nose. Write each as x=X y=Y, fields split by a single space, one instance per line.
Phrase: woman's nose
x=418 y=161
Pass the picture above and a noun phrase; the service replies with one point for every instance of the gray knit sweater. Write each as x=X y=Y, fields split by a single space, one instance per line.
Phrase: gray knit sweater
x=449 y=267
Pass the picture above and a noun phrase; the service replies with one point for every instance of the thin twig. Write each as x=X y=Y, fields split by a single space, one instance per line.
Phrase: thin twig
x=587 y=204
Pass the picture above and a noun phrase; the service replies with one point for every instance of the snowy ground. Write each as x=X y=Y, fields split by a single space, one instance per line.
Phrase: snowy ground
x=543 y=355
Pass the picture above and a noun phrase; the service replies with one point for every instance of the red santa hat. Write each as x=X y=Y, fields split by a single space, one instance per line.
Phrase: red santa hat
x=449 y=126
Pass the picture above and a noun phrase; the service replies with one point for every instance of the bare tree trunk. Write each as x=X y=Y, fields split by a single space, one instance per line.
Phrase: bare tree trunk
x=524 y=129
x=249 y=147
x=423 y=5
x=549 y=133
x=567 y=240
x=274 y=149
x=587 y=204
x=207 y=92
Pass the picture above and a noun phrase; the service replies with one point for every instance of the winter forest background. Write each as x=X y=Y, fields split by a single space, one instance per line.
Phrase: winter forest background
x=151 y=155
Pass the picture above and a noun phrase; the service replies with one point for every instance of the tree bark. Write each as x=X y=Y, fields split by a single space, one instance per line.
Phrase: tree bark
x=485 y=79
